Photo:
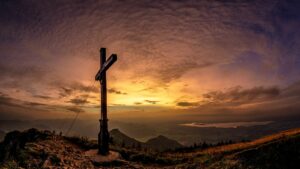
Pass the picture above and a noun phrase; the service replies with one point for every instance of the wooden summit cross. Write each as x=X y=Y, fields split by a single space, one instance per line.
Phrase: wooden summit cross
x=103 y=136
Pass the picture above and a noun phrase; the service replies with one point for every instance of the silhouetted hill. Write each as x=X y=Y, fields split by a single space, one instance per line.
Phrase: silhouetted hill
x=279 y=151
x=159 y=143
x=162 y=143
x=122 y=139
x=285 y=151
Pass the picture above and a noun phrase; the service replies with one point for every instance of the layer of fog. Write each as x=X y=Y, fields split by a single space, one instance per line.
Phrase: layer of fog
x=226 y=125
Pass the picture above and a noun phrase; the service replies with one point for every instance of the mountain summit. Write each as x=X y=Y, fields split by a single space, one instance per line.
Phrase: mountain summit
x=122 y=139
x=162 y=143
x=34 y=149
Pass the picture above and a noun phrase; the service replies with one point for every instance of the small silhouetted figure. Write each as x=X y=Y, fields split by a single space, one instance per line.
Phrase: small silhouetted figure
x=103 y=136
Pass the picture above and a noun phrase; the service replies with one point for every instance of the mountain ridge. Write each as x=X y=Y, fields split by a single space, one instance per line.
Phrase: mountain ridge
x=159 y=143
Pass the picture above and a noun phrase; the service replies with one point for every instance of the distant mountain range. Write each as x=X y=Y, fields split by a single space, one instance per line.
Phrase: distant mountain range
x=159 y=143
x=142 y=131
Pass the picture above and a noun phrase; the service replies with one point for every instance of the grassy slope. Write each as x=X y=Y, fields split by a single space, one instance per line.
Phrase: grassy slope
x=255 y=143
x=277 y=151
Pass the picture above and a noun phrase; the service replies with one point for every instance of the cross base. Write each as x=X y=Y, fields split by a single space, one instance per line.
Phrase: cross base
x=103 y=138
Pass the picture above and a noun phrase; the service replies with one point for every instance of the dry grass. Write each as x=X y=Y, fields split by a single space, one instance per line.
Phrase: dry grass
x=246 y=145
x=237 y=146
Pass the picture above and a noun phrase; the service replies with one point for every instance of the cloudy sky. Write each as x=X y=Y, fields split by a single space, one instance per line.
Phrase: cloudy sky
x=183 y=60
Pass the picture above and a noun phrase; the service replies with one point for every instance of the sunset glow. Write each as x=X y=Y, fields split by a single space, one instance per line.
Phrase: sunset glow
x=198 y=59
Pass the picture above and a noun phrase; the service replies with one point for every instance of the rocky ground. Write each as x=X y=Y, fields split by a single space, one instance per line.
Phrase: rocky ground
x=47 y=150
x=59 y=153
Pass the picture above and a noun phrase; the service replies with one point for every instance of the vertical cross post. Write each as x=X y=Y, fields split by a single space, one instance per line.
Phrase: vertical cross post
x=103 y=136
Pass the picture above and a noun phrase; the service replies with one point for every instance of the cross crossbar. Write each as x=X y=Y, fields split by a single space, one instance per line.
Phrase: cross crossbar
x=111 y=60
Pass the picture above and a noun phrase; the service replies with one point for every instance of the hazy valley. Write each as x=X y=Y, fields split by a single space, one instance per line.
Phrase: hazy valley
x=143 y=131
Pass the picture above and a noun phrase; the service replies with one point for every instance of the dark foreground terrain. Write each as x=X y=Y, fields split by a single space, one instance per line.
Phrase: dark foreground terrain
x=43 y=149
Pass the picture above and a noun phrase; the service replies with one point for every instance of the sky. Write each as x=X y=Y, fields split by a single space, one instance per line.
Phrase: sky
x=177 y=60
